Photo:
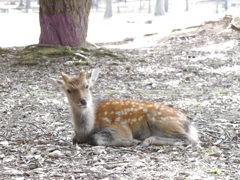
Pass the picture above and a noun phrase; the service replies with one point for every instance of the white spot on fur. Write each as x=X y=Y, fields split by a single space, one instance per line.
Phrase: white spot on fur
x=115 y=102
x=134 y=120
x=118 y=119
x=133 y=109
x=133 y=105
x=140 y=118
x=156 y=106
x=118 y=113
x=105 y=113
x=124 y=122
x=122 y=103
x=106 y=119
x=168 y=118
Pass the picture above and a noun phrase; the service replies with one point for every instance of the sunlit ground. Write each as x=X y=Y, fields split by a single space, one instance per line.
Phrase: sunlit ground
x=21 y=29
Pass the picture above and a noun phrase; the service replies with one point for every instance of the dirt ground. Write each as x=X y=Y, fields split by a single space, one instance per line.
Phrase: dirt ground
x=196 y=70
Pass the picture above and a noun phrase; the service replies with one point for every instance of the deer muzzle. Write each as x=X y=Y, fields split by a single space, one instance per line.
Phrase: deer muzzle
x=82 y=102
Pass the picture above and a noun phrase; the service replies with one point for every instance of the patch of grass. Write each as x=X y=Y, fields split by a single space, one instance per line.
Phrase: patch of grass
x=212 y=149
x=103 y=52
x=214 y=63
x=198 y=106
x=222 y=91
x=4 y=51
x=215 y=171
x=111 y=92
x=143 y=93
x=37 y=55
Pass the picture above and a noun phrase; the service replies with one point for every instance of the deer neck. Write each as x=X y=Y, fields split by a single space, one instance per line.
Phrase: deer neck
x=83 y=119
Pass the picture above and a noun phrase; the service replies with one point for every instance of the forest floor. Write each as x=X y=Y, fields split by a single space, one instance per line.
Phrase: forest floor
x=195 y=70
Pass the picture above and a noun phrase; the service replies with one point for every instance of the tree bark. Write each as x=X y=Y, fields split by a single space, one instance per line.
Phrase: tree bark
x=64 y=22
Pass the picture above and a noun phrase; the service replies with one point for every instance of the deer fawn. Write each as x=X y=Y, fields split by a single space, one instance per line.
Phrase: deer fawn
x=122 y=122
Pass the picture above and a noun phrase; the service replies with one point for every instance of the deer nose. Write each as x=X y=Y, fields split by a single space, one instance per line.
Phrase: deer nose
x=83 y=101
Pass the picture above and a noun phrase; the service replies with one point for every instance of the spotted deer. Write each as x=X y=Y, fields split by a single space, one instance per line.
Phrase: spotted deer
x=122 y=122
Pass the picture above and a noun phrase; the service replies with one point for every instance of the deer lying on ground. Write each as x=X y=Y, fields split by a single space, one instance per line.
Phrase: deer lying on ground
x=122 y=122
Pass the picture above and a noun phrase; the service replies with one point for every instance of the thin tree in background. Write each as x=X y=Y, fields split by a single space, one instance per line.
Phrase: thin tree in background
x=21 y=3
x=118 y=6
x=159 y=10
x=64 y=22
x=226 y=5
x=28 y=6
x=187 y=6
x=95 y=3
x=149 y=6
x=108 y=11
x=140 y=5
x=166 y=5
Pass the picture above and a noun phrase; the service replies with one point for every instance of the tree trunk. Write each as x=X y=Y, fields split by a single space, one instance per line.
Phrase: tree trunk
x=108 y=11
x=159 y=8
x=95 y=4
x=28 y=6
x=140 y=5
x=225 y=5
x=21 y=3
x=149 y=6
x=64 y=22
x=217 y=3
x=166 y=5
x=118 y=7
x=187 y=6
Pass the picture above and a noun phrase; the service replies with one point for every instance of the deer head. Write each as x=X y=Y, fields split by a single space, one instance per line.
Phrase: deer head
x=77 y=88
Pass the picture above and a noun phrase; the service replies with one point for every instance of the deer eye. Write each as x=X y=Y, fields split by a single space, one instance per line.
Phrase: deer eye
x=69 y=91
x=87 y=86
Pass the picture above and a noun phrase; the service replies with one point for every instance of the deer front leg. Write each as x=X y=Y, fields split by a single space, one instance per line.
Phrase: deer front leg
x=80 y=139
x=115 y=137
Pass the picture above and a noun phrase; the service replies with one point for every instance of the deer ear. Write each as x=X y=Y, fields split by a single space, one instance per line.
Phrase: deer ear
x=59 y=84
x=93 y=77
x=82 y=75
x=65 y=77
